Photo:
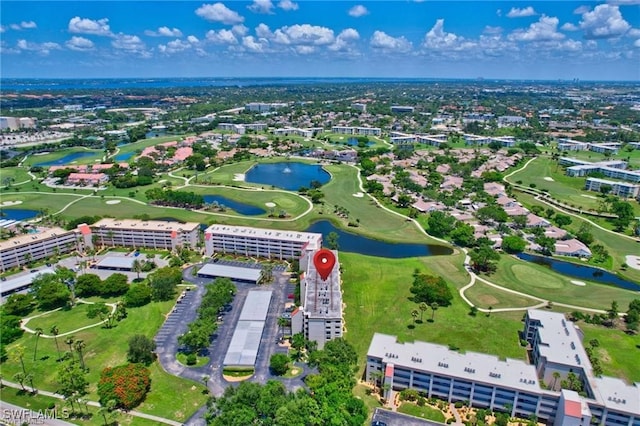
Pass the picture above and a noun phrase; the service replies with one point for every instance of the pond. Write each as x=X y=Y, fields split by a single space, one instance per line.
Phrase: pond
x=287 y=175
x=237 y=206
x=363 y=245
x=17 y=214
x=124 y=156
x=580 y=271
x=354 y=142
x=66 y=159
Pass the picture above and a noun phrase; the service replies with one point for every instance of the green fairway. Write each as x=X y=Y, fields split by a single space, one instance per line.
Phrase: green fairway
x=107 y=348
x=529 y=278
x=13 y=176
x=376 y=294
x=65 y=320
x=618 y=352
x=484 y=296
x=96 y=155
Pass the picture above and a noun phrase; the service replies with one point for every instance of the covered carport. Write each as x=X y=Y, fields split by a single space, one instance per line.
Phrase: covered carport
x=235 y=273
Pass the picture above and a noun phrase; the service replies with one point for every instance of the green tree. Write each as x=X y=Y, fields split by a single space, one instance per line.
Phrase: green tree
x=562 y=220
x=50 y=291
x=440 y=223
x=38 y=333
x=463 y=234
x=423 y=307
x=54 y=332
x=137 y=295
x=513 y=244
x=415 y=314
x=483 y=258
x=115 y=285
x=625 y=213
x=429 y=289
x=126 y=384
x=16 y=355
x=279 y=364
x=163 y=283
x=434 y=307
x=332 y=240
x=141 y=349
x=19 y=305
x=88 y=285
x=136 y=266
x=72 y=381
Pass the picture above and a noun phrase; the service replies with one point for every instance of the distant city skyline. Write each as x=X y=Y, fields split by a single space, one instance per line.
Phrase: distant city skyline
x=532 y=40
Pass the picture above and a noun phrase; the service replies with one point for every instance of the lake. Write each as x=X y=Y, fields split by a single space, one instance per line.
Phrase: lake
x=354 y=142
x=17 y=214
x=287 y=175
x=66 y=159
x=242 y=208
x=355 y=243
x=588 y=273
x=124 y=156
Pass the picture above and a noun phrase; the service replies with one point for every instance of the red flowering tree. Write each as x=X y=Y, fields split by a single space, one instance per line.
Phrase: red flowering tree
x=127 y=385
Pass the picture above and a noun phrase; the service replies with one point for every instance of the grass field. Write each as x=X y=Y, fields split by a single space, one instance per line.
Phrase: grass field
x=618 y=352
x=484 y=296
x=15 y=175
x=376 y=294
x=97 y=154
x=107 y=348
x=65 y=321
x=424 y=412
x=539 y=281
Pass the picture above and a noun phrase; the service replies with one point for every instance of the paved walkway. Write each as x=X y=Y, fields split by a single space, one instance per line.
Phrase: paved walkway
x=95 y=404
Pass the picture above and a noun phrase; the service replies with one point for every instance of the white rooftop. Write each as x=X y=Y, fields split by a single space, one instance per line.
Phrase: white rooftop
x=509 y=373
x=232 y=272
x=323 y=298
x=314 y=239
x=14 y=283
x=116 y=262
x=617 y=395
x=256 y=306
x=30 y=238
x=162 y=225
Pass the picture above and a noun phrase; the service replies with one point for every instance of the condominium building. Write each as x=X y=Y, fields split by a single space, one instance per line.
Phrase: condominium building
x=510 y=385
x=156 y=234
x=402 y=108
x=45 y=243
x=621 y=189
x=319 y=316
x=258 y=242
x=264 y=107
x=615 y=169
x=362 y=131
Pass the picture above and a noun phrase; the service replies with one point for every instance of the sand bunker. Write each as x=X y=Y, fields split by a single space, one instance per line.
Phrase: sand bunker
x=589 y=196
x=633 y=261
x=113 y=202
x=270 y=204
x=358 y=195
x=238 y=177
x=549 y=179
x=162 y=181
x=578 y=283
x=10 y=203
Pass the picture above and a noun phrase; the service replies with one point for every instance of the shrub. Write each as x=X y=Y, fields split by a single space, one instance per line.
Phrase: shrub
x=126 y=384
x=192 y=359
x=137 y=295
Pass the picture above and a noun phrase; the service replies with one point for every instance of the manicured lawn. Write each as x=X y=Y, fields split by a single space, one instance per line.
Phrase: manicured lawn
x=484 y=296
x=200 y=360
x=59 y=153
x=618 y=352
x=424 y=412
x=537 y=280
x=107 y=348
x=66 y=321
x=14 y=175
x=376 y=294
x=39 y=200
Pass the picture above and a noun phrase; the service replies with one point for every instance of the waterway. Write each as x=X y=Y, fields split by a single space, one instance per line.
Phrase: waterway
x=584 y=272
x=124 y=156
x=287 y=175
x=66 y=159
x=355 y=243
x=242 y=208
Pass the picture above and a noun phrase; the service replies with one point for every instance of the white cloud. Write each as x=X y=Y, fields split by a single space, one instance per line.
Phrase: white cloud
x=221 y=37
x=581 y=9
x=39 y=48
x=305 y=50
x=79 y=44
x=164 y=32
x=130 y=44
x=437 y=39
x=24 y=25
x=624 y=2
x=262 y=30
x=240 y=30
x=604 y=21
x=3 y=29
x=492 y=30
x=254 y=45
x=193 y=39
x=637 y=43
x=544 y=30
x=300 y=34
x=569 y=27
x=382 y=41
x=218 y=12
x=287 y=5
x=174 y=46
x=88 y=26
x=261 y=6
x=521 y=13
x=633 y=33
x=358 y=11
x=344 y=40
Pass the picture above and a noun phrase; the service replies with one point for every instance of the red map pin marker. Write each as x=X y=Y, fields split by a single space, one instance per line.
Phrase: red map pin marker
x=324 y=261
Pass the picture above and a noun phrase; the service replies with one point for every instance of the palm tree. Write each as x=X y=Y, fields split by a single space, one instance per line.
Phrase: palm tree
x=282 y=323
x=79 y=346
x=415 y=315
x=54 y=331
x=69 y=341
x=490 y=310
x=20 y=378
x=111 y=234
x=35 y=349
x=137 y=267
x=556 y=376
x=423 y=307
x=434 y=308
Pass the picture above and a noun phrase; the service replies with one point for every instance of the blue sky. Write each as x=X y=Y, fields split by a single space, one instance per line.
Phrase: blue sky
x=401 y=38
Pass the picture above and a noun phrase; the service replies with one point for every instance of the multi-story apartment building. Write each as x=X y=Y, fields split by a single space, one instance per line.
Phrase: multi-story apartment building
x=621 y=189
x=264 y=107
x=19 y=251
x=135 y=233
x=510 y=385
x=258 y=242
x=362 y=131
x=319 y=316
x=402 y=109
x=615 y=169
